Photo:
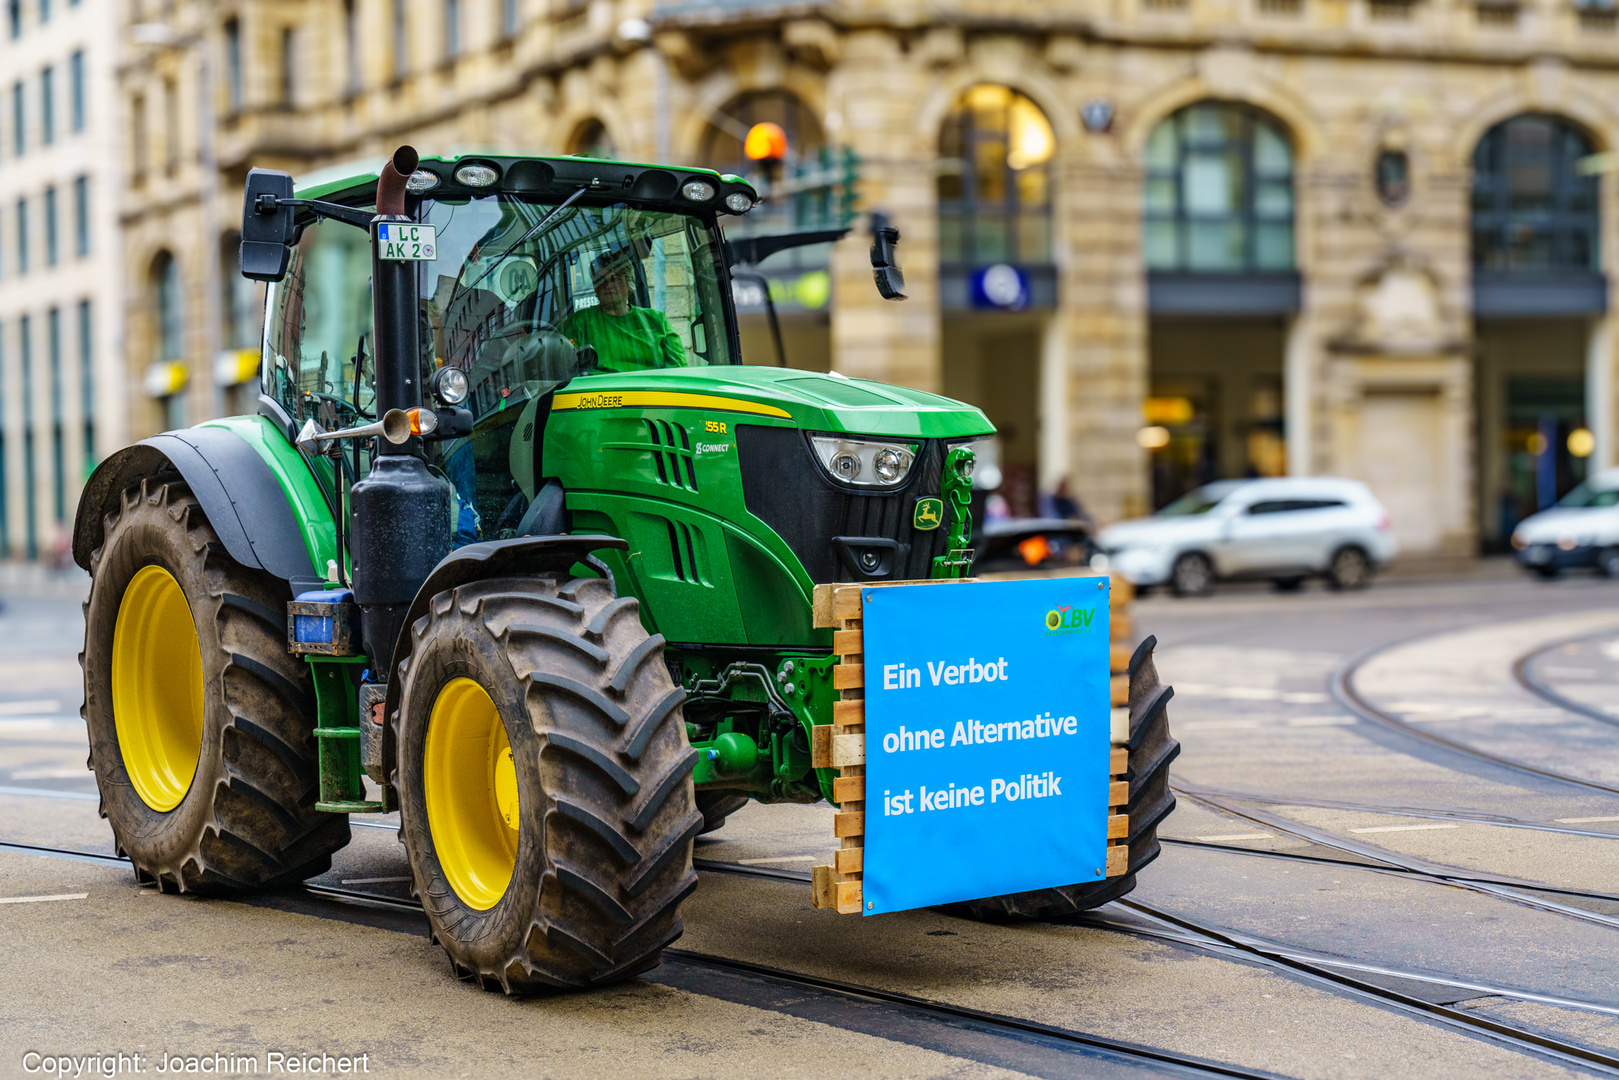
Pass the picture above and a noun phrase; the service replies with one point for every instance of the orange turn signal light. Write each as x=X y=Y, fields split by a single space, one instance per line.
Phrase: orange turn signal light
x=422 y=421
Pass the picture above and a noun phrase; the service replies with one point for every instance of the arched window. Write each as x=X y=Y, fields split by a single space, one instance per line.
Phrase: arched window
x=591 y=139
x=995 y=180
x=1219 y=195
x=722 y=142
x=810 y=174
x=1532 y=210
x=166 y=306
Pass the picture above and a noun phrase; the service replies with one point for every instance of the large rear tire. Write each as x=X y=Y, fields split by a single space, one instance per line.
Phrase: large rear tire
x=1151 y=751
x=545 y=784
x=201 y=723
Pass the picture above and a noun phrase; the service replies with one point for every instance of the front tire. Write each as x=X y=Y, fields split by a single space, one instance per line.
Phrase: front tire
x=200 y=721
x=1349 y=569
x=545 y=784
x=1192 y=575
x=1150 y=801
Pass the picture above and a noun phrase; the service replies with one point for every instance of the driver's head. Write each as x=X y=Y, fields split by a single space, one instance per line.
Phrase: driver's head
x=610 y=274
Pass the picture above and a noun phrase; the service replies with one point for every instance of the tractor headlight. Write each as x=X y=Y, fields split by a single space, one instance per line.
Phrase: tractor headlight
x=421 y=180
x=476 y=174
x=867 y=464
x=449 y=385
x=738 y=203
x=697 y=190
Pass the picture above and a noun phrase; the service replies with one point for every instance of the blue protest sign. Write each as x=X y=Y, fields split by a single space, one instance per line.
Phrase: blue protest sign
x=987 y=739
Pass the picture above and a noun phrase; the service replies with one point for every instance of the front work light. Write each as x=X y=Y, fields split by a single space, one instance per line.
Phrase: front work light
x=421 y=180
x=865 y=464
x=738 y=203
x=449 y=385
x=476 y=175
x=697 y=190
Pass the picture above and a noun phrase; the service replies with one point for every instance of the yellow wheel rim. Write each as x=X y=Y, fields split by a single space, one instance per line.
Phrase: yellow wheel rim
x=157 y=688
x=470 y=781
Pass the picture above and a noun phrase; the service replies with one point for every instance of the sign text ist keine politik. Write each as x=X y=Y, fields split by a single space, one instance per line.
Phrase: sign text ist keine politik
x=987 y=738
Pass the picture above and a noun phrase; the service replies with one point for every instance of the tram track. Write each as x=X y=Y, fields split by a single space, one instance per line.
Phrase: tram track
x=1325 y=972
x=1341 y=686
x=1523 y=672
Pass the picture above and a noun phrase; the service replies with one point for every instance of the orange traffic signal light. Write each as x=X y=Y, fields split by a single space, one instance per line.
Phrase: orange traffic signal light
x=765 y=142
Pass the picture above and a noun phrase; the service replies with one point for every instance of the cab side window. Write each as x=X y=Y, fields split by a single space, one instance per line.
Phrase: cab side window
x=320 y=328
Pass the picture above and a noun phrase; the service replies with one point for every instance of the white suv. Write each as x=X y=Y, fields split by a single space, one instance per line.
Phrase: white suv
x=1581 y=530
x=1283 y=529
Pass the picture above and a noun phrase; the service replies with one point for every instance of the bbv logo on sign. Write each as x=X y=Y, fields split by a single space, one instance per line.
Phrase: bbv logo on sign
x=929 y=514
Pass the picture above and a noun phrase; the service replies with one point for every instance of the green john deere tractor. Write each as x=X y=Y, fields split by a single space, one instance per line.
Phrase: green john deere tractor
x=515 y=535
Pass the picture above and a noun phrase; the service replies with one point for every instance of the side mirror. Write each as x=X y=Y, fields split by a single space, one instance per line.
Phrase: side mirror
x=267 y=225
x=890 y=281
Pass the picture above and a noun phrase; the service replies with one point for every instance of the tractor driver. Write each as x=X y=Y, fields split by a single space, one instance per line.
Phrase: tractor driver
x=625 y=338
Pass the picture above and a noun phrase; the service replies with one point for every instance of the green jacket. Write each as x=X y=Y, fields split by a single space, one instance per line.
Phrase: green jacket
x=640 y=338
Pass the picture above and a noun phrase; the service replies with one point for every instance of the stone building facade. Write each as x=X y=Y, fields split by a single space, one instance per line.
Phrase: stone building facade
x=1159 y=241
x=62 y=388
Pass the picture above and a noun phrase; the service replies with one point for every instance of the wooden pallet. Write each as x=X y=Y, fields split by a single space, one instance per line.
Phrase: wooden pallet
x=841 y=745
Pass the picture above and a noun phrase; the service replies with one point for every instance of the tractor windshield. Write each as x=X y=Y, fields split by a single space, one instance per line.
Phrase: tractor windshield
x=601 y=288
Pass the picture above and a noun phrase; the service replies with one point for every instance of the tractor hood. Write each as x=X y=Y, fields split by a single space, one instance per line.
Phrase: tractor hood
x=809 y=399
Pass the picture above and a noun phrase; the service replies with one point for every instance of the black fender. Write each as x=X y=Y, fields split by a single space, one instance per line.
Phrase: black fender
x=474 y=562
x=236 y=488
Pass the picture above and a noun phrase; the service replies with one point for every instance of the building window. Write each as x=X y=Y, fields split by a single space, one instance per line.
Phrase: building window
x=138 y=140
x=233 y=65
x=288 y=72
x=81 y=216
x=401 y=40
x=44 y=12
x=813 y=205
x=351 y=48
x=452 y=29
x=78 y=104
x=592 y=139
x=47 y=106
x=53 y=343
x=508 y=18
x=1219 y=194
x=22 y=236
x=19 y=119
x=14 y=14
x=995 y=180
x=1532 y=210
x=52 y=249
x=171 y=127
x=170 y=329
x=25 y=354
x=87 y=383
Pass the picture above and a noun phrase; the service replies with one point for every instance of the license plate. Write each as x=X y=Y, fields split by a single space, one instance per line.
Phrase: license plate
x=407 y=243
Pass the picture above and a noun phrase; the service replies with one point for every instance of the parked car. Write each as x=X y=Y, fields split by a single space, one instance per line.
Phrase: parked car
x=1283 y=529
x=1581 y=530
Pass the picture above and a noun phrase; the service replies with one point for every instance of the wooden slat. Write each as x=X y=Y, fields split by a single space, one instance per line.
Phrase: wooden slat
x=1119 y=725
x=846 y=602
x=850 y=898
x=849 y=713
x=1118 y=826
x=1119 y=625
x=849 y=789
x=821 y=607
x=848 y=750
x=849 y=677
x=1121 y=690
x=1118 y=861
x=849 y=823
x=821 y=882
x=1118 y=793
x=1119 y=658
x=1120 y=592
x=849 y=860
x=821 y=746
x=848 y=642
x=1118 y=761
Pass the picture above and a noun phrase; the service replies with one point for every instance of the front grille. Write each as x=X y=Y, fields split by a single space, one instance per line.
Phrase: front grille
x=672 y=454
x=784 y=486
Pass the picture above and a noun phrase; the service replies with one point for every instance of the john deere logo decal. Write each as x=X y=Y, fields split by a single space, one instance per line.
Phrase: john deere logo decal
x=929 y=514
